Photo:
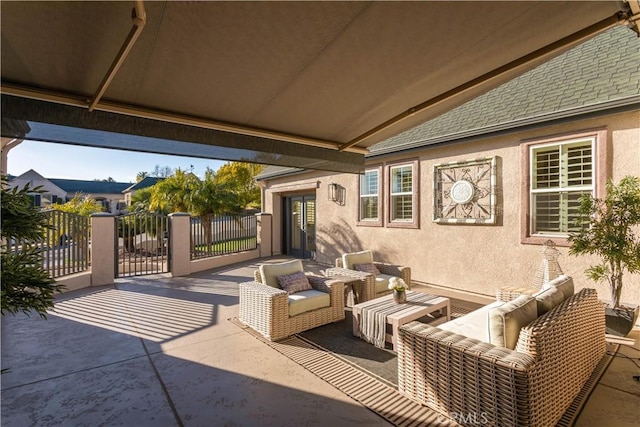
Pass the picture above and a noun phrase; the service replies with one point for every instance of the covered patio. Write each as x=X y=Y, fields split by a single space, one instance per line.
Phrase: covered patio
x=161 y=351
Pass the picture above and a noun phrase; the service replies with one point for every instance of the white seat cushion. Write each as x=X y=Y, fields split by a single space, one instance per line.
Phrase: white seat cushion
x=304 y=301
x=364 y=257
x=473 y=325
x=564 y=283
x=270 y=272
x=506 y=320
x=382 y=282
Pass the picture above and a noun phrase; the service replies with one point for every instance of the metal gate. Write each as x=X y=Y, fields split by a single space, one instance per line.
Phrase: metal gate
x=142 y=244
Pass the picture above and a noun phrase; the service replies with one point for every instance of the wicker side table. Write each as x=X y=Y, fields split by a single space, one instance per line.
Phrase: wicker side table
x=355 y=283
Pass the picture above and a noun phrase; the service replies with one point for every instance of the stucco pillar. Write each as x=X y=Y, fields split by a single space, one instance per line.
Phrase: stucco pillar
x=265 y=235
x=103 y=261
x=180 y=243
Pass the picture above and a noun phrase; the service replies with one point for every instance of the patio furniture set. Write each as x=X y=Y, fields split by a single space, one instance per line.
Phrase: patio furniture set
x=520 y=360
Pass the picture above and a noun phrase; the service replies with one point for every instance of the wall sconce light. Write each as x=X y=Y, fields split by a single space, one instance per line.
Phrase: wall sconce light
x=333 y=192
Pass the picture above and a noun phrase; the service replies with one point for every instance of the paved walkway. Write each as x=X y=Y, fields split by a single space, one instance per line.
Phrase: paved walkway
x=160 y=351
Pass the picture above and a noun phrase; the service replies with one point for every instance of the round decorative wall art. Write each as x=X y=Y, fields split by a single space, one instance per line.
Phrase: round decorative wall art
x=465 y=192
x=462 y=192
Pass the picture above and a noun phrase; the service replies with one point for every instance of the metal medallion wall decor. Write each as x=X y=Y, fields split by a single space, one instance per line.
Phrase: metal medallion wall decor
x=465 y=192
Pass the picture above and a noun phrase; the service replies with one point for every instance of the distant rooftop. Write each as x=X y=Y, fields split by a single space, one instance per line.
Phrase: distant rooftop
x=147 y=181
x=72 y=186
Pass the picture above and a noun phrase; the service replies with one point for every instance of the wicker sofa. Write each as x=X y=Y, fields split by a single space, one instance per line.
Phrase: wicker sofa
x=276 y=314
x=532 y=384
x=374 y=285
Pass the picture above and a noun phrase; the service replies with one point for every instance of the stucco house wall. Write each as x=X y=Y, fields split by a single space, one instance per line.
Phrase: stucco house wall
x=34 y=179
x=468 y=257
x=592 y=90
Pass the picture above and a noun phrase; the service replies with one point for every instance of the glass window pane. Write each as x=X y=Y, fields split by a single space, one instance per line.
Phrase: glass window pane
x=402 y=208
x=559 y=168
x=369 y=183
x=401 y=179
x=369 y=208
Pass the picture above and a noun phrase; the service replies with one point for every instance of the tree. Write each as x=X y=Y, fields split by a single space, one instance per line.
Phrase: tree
x=141 y=199
x=81 y=204
x=170 y=194
x=161 y=171
x=608 y=229
x=207 y=198
x=71 y=228
x=241 y=178
x=26 y=285
x=141 y=175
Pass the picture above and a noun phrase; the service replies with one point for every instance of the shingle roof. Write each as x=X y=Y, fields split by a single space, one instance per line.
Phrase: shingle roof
x=147 y=181
x=72 y=186
x=603 y=70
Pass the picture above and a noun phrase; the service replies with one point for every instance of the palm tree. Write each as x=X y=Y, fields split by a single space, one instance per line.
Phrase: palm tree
x=171 y=193
x=208 y=198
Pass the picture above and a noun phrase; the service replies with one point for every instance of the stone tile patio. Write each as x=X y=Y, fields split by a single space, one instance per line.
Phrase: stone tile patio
x=160 y=351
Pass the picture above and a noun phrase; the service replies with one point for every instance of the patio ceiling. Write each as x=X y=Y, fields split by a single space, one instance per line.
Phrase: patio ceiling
x=301 y=84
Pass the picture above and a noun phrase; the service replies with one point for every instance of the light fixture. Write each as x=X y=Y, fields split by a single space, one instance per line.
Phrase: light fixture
x=333 y=192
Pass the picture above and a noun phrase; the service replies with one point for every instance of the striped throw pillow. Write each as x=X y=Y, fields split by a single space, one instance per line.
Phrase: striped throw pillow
x=367 y=268
x=296 y=282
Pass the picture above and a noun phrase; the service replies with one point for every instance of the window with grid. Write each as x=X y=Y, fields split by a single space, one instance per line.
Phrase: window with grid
x=401 y=193
x=369 y=195
x=560 y=174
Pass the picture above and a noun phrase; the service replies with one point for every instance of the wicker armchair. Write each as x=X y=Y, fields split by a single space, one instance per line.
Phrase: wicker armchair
x=266 y=308
x=375 y=285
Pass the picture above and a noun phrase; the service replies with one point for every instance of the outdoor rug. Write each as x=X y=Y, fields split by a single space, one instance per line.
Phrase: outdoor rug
x=368 y=374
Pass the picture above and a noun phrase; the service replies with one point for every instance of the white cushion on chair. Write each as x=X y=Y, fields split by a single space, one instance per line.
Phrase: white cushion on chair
x=304 y=301
x=364 y=257
x=270 y=272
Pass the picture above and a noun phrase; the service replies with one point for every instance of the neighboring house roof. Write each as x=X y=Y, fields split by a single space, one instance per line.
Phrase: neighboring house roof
x=72 y=186
x=35 y=179
x=600 y=74
x=147 y=181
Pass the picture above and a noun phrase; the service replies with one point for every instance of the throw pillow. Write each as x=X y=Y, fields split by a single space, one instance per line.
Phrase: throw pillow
x=367 y=268
x=547 y=299
x=296 y=282
x=564 y=283
x=506 y=320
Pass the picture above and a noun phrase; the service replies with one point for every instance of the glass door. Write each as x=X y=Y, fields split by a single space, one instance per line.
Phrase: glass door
x=300 y=227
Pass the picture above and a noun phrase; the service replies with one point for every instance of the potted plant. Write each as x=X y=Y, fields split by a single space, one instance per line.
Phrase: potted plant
x=399 y=288
x=608 y=229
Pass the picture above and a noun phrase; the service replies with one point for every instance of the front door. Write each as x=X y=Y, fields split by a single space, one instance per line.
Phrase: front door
x=300 y=227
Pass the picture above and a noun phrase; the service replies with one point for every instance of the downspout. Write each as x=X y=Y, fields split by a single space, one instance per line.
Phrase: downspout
x=139 y=18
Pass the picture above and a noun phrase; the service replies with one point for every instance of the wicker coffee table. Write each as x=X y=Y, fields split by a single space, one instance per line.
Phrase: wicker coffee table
x=418 y=305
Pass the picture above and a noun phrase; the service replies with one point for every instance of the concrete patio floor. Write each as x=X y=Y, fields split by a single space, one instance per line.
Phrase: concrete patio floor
x=160 y=351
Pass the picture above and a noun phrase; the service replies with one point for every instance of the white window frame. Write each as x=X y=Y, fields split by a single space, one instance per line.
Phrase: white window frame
x=598 y=139
x=412 y=222
x=374 y=222
x=563 y=188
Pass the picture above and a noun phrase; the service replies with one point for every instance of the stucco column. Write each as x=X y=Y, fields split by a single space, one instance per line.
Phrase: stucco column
x=265 y=235
x=180 y=243
x=103 y=261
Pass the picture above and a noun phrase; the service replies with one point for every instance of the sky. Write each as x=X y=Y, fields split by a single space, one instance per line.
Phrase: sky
x=75 y=162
